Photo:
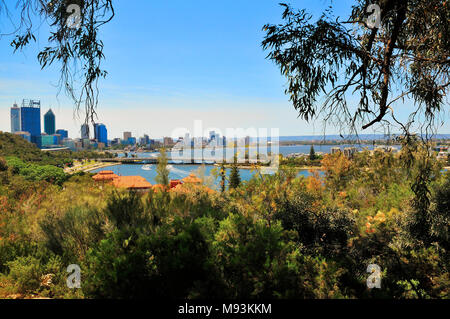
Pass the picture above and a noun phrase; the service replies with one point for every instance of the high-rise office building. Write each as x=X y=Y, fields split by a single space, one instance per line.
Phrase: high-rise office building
x=168 y=141
x=84 y=131
x=126 y=135
x=49 y=122
x=101 y=133
x=30 y=119
x=64 y=133
x=146 y=139
x=15 y=119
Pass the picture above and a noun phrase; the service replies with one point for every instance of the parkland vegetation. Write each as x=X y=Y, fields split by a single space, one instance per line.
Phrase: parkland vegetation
x=274 y=236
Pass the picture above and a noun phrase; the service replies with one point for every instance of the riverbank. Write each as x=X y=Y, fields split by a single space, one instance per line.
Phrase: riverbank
x=88 y=167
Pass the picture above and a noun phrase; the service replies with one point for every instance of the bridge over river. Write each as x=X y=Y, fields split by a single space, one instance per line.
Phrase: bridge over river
x=180 y=161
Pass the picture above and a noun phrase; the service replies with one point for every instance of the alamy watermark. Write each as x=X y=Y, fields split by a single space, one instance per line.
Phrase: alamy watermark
x=74 y=19
x=74 y=279
x=374 y=280
x=374 y=19
x=250 y=145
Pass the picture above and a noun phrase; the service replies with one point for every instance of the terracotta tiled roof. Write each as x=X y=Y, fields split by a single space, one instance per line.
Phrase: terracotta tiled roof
x=192 y=179
x=131 y=182
x=104 y=176
x=174 y=183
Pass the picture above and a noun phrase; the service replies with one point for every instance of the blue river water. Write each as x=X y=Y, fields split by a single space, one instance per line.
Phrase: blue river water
x=178 y=172
x=182 y=171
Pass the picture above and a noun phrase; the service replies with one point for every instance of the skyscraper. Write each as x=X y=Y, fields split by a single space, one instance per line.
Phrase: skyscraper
x=64 y=133
x=49 y=122
x=30 y=119
x=84 y=131
x=15 y=119
x=126 y=135
x=101 y=133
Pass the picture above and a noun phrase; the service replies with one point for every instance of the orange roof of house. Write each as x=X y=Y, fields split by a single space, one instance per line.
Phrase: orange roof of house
x=135 y=182
x=158 y=187
x=174 y=182
x=192 y=179
x=104 y=176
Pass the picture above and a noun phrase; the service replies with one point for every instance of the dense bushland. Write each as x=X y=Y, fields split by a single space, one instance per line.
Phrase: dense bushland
x=275 y=236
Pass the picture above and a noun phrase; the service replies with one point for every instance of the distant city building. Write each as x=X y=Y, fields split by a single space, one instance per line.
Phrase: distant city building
x=101 y=133
x=15 y=119
x=30 y=119
x=70 y=144
x=49 y=122
x=168 y=141
x=64 y=133
x=126 y=136
x=25 y=135
x=78 y=145
x=145 y=140
x=57 y=139
x=86 y=143
x=47 y=141
x=115 y=141
x=84 y=131
x=131 y=141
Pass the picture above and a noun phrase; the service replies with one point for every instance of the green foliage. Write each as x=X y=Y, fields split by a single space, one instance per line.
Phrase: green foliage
x=15 y=146
x=235 y=179
x=161 y=169
x=331 y=59
x=325 y=230
x=222 y=177
x=26 y=274
x=34 y=172
x=3 y=164
x=440 y=216
x=312 y=154
x=74 y=233
x=275 y=236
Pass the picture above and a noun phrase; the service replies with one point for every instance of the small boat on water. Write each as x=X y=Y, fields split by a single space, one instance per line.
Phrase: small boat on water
x=146 y=167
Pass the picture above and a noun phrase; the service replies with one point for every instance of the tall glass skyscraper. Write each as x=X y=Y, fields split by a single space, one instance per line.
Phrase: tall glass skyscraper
x=49 y=122
x=101 y=133
x=15 y=119
x=64 y=133
x=30 y=119
x=84 y=131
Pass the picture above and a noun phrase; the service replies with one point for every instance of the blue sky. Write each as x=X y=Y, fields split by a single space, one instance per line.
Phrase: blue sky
x=170 y=63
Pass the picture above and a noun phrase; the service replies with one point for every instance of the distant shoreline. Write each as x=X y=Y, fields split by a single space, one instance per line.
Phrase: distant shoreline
x=103 y=165
x=89 y=169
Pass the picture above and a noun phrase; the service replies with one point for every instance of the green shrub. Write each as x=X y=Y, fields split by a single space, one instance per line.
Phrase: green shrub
x=74 y=233
x=26 y=274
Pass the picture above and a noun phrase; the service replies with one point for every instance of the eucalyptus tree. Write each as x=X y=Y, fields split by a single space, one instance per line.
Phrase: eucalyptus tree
x=354 y=71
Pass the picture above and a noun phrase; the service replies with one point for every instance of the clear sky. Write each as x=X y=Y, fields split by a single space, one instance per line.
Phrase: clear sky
x=170 y=63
